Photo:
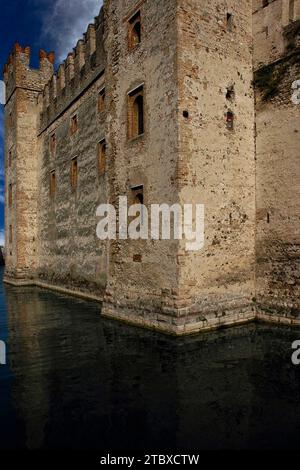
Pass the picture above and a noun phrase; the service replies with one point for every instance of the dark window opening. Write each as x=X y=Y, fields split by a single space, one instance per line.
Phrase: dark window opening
x=230 y=93
x=52 y=143
x=52 y=183
x=138 y=194
x=101 y=100
x=230 y=120
x=139 y=115
x=102 y=158
x=74 y=173
x=138 y=198
x=74 y=124
x=185 y=114
x=268 y=217
x=10 y=235
x=136 y=113
x=135 y=30
x=9 y=159
x=10 y=195
x=229 y=21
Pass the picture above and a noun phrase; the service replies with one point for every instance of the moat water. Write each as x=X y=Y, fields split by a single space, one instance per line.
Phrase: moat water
x=76 y=381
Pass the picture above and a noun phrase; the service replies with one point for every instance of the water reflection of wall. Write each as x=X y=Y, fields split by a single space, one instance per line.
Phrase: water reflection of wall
x=85 y=382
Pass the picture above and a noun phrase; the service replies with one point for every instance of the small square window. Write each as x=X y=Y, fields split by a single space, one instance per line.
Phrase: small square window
x=134 y=30
x=74 y=124
x=74 y=173
x=101 y=100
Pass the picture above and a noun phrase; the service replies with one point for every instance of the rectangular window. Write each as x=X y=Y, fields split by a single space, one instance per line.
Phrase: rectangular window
x=136 y=112
x=229 y=22
x=230 y=120
x=74 y=124
x=138 y=198
x=52 y=183
x=101 y=100
x=10 y=236
x=10 y=195
x=134 y=30
x=52 y=143
x=102 y=157
x=74 y=173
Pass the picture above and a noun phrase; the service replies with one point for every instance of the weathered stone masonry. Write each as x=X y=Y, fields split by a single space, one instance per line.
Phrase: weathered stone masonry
x=157 y=102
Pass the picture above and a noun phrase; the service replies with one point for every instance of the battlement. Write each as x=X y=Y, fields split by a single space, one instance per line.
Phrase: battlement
x=82 y=65
x=18 y=74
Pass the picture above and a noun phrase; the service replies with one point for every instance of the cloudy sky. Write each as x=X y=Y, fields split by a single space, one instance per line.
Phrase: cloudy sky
x=46 y=24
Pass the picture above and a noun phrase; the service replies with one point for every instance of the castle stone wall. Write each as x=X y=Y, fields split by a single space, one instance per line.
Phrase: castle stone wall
x=278 y=180
x=143 y=275
x=217 y=166
x=207 y=139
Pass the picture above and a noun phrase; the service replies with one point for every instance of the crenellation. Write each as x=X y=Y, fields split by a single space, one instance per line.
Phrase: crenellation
x=79 y=56
x=90 y=40
x=70 y=68
x=53 y=89
x=75 y=74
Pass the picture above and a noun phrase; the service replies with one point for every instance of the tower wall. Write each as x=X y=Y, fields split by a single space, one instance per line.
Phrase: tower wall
x=216 y=160
x=277 y=164
x=143 y=274
x=23 y=86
